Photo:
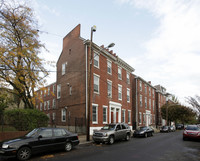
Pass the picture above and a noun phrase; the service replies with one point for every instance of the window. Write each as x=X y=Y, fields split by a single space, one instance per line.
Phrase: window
x=94 y=114
x=145 y=102
x=96 y=83
x=153 y=92
x=140 y=100
x=119 y=92
x=129 y=116
x=145 y=87
x=48 y=104
x=140 y=85
x=58 y=91
x=70 y=90
x=96 y=60
x=149 y=91
x=54 y=103
x=41 y=106
x=144 y=118
x=128 y=95
x=63 y=68
x=109 y=67
x=46 y=133
x=45 y=105
x=105 y=114
x=153 y=105
x=54 y=116
x=123 y=115
x=41 y=94
x=54 y=88
x=48 y=91
x=149 y=103
x=140 y=117
x=37 y=106
x=48 y=115
x=45 y=91
x=63 y=115
x=119 y=73
x=109 y=83
x=128 y=78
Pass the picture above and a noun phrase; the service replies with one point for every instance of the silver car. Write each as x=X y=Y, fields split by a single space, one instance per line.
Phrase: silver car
x=111 y=132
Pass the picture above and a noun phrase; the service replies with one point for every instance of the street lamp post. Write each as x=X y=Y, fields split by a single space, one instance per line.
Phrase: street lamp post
x=93 y=29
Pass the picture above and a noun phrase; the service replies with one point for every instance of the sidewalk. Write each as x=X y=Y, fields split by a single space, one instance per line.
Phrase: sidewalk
x=82 y=139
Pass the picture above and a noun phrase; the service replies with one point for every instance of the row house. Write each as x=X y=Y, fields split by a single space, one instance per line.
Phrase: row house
x=144 y=102
x=160 y=101
x=46 y=102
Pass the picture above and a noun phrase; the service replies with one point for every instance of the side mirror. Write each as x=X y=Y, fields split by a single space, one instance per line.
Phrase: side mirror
x=39 y=137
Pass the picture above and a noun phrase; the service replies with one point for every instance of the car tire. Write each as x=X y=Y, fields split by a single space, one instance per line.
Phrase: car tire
x=24 y=153
x=127 y=137
x=111 y=140
x=146 y=135
x=68 y=146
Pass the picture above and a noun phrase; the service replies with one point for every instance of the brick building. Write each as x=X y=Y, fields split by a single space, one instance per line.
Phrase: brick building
x=144 y=102
x=160 y=101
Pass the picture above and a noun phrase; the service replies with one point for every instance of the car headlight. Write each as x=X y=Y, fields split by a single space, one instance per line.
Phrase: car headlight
x=185 y=132
x=5 y=146
x=142 y=132
x=198 y=134
x=104 y=134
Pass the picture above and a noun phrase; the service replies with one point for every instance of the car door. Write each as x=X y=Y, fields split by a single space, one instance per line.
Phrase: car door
x=118 y=132
x=123 y=131
x=43 y=141
x=60 y=137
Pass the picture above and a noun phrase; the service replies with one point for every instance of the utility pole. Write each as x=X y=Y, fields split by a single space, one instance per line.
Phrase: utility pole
x=93 y=29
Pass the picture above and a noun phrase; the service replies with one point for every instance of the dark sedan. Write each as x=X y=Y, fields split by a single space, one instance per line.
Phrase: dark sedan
x=165 y=129
x=144 y=131
x=37 y=141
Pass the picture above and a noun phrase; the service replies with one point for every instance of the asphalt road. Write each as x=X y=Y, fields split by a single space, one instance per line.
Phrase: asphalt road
x=160 y=147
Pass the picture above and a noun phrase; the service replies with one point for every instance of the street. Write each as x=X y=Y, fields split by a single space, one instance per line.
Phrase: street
x=162 y=146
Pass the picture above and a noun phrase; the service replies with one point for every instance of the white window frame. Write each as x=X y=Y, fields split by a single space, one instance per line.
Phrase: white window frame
x=119 y=92
x=54 y=103
x=45 y=91
x=153 y=93
x=63 y=113
x=58 y=91
x=149 y=103
x=145 y=102
x=140 y=118
x=140 y=85
x=109 y=66
x=123 y=115
x=128 y=77
x=129 y=116
x=149 y=91
x=64 y=68
x=41 y=106
x=140 y=100
x=53 y=116
x=54 y=88
x=98 y=83
x=144 y=118
x=96 y=58
x=45 y=105
x=153 y=105
x=109 y=82
x=48 y=89
x=119 y=73
x=95 y=105
x=145 y=88
x=128 y=95
x=48 y=105
x=106 y=114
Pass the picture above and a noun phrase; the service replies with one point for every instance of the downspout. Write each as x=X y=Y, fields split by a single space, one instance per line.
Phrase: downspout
x=136 y=104
x=86 y=85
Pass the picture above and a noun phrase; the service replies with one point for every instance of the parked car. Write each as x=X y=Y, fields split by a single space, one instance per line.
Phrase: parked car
x=144 y=131
x=165 y=129
x=191 y=131
x=111 y=132
x=172 y=128
x=37 y=141
x=179 y=126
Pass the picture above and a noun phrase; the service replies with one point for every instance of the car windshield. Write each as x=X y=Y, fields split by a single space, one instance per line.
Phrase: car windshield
x=165 y=127
x=108 y=127
x=195 y=128
x=142 y=128
x=32 y=133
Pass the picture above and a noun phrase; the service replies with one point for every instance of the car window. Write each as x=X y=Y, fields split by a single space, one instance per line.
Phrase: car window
x=108 y=127
x=192 y=128
x=58 y=132
x=118 y=127
x=46 y=133
x=123 y=126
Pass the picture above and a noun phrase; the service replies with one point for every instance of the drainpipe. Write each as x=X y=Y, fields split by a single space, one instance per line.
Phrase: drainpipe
x=86 y=85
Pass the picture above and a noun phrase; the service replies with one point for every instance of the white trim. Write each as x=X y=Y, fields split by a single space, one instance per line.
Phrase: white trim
x=98 y=67
x=119 y=85
x=129 y=95
x=109 y=81
x=106 y=114
x=115 y=106
x=111 y=66
x=118 y=72
x=96 y=105
x=62 y=115
x=98 y=82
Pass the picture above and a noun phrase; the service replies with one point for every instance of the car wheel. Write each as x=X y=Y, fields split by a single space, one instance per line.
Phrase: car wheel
x=146 y=135
x=127 y=137
x=24 y=153
x=111 y=139
x=68 y=146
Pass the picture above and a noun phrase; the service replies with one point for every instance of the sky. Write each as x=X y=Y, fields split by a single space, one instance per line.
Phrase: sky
x=160 y=39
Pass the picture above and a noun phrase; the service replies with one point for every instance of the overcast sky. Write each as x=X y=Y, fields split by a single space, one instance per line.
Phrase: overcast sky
x=160 y=39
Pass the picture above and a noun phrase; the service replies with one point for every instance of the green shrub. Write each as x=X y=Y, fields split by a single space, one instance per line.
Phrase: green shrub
x=25 y=119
